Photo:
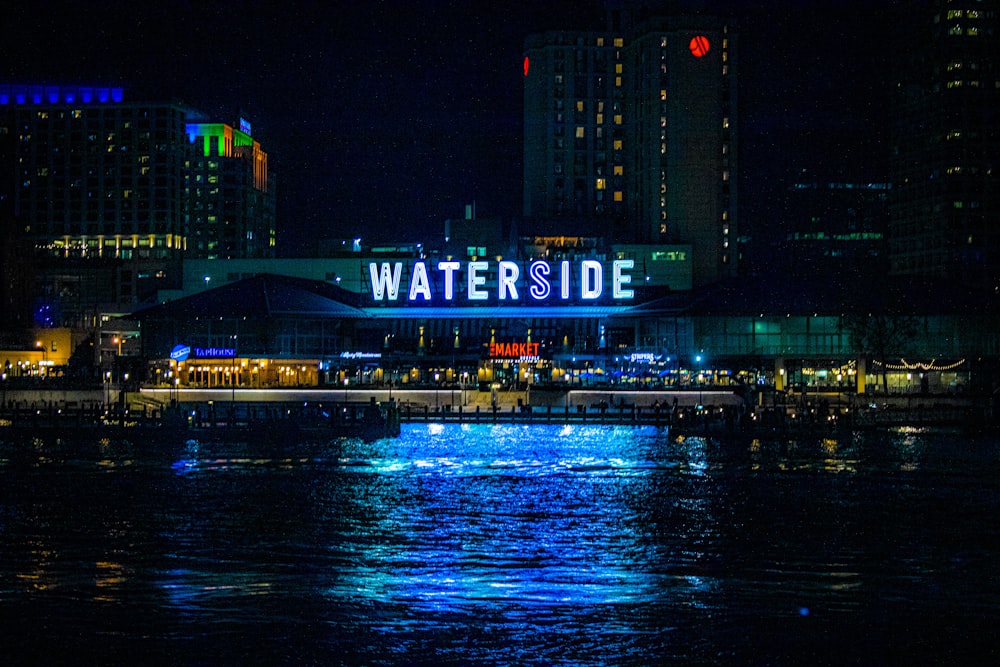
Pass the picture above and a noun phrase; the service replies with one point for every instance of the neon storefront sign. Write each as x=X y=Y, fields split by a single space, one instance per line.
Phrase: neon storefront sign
x=520 y=351
x=541 y=282
x=184 y=352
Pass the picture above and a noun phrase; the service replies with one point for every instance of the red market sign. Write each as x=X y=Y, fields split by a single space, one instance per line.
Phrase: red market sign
x=513 y=350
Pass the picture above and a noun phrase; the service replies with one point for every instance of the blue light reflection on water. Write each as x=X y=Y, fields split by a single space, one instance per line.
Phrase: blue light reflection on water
x=509 y=544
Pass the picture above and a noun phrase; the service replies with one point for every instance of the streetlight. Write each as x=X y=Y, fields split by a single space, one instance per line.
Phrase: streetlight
x=233 y=376
x=42 y=367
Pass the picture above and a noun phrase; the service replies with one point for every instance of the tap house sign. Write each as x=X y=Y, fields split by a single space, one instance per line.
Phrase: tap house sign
x=184 y=352
x=541 y=281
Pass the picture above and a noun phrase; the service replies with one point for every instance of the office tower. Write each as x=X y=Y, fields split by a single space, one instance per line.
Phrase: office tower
x=945 y=142
x=630 y=134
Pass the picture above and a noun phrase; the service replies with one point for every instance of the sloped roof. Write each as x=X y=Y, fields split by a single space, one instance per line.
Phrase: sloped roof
x=826 y=296
x=261 y=297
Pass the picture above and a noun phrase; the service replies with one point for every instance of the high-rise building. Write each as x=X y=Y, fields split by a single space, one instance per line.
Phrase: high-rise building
x=229 y=193
x=630 y=134
x=830 y=228
x=112 y=194
x=945 y=142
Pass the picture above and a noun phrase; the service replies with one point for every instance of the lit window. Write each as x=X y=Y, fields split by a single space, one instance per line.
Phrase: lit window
x=618 y=68
x=618 y=195
x=600 y=41
x=579 y=105
x=619 y=41
x=618 y=119
x=619 y=170
x=601 y=183
x=725 y=122
x=618 y=82
x=618 y=144
x=580 y=134
x=663 y=95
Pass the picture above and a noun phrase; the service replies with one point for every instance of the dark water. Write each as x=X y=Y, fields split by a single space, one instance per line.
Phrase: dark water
x=497 y=545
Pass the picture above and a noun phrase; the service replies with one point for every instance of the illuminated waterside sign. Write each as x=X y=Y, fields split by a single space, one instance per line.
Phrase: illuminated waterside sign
x=537 y=283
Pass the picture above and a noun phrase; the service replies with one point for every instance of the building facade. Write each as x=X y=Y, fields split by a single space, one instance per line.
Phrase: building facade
x=631 y=134
x=111 y=195
x=408 y=328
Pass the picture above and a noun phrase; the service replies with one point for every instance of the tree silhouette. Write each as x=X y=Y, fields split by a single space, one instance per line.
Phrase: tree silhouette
x=877 y=335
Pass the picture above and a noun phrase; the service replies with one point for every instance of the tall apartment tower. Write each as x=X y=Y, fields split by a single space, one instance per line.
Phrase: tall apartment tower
x=945 y=142
x=630 y=134
x=111 y=193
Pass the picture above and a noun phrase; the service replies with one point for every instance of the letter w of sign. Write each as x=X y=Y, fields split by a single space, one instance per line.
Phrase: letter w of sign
x=383 y=282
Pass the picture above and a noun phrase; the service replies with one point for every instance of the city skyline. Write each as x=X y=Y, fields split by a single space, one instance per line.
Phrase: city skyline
x=393 y=117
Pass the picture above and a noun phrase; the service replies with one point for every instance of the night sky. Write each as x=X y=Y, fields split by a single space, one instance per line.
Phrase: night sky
x=382 y=119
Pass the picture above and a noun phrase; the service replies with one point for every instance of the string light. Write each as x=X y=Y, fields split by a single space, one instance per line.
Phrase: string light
x=921 y=366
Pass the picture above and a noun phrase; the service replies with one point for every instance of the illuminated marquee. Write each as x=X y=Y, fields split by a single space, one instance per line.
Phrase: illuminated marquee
x=521 y=351
x=360 y=355
x=386 y=280
x=213 y=352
